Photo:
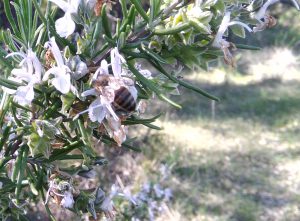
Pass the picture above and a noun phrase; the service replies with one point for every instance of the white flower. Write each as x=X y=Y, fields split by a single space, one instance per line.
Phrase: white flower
x=108 y=206
x=68 y=200
x=62 y=78
x=1 y=184
x=97 y=111
x=146 y=187
x=224 y=26
x=219 y=42
x=116 y=62
x=260 y=14
x=30 y=72
x=104 y=89
x=24 y=94
x=102 y=70
x=65 y=26
x=101 y=107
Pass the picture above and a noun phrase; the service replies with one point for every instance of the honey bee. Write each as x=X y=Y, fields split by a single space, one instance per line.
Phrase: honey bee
x=124 y=97
x=124 y=100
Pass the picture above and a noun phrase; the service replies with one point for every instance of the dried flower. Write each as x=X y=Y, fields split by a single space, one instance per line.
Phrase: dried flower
x=219 y=42
x=268 y=20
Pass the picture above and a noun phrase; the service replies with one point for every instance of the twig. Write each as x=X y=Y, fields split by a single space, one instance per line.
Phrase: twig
x=168 y=10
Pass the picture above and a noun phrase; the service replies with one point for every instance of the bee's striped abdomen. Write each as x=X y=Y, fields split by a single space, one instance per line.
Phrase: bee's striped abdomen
x=124 y=100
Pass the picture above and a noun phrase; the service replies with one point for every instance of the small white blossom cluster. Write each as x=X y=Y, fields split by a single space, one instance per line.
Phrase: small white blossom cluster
x=32 y=73
x=154 y=196
x=61 y=191
x=264 y=21
x=107 y=205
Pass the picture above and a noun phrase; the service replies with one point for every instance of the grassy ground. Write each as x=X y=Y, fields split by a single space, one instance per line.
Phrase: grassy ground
x=238 y=159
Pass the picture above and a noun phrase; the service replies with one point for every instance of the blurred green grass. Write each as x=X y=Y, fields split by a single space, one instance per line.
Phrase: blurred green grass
x=239 y=161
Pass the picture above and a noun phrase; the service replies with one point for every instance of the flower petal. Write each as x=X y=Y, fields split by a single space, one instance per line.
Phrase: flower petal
x=96 y=111
x=55 y=71
x=74 y=6
x=36 y=64
x=89 y=92
x=24 y=95
x=223 y=27
x=65 y=25
x=62 y=83
x=21 y=74
x=68 y=200
x=116 y=62
x=262 y=11
x=81 y=70
x=55 y=51
x=61 y=4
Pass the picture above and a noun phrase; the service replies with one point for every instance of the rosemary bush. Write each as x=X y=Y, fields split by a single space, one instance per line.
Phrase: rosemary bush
x=74 y=79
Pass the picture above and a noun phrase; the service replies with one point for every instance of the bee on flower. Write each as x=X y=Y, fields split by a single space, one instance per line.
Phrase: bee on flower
x=115 y=95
